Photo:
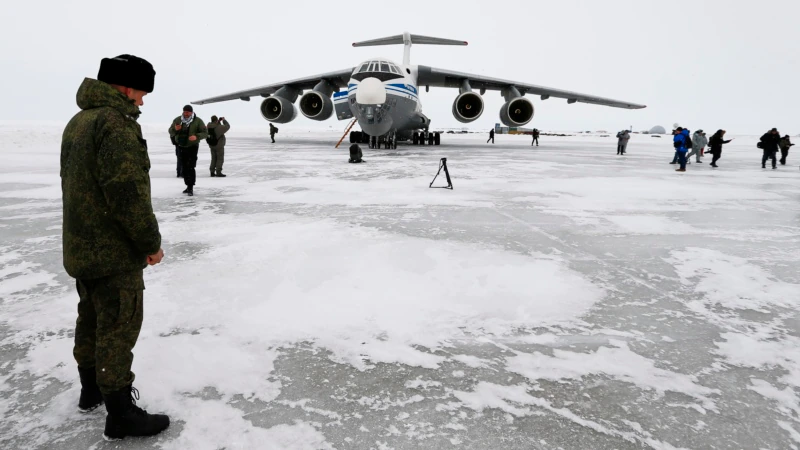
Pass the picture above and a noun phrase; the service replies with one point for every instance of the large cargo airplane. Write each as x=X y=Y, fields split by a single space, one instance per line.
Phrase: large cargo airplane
x=384 y=96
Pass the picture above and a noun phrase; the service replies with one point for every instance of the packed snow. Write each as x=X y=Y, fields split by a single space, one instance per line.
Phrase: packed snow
x=559 y=297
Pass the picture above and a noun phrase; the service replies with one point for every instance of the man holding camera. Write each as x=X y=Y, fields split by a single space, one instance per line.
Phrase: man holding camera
x=188 y=130
x=216 y=142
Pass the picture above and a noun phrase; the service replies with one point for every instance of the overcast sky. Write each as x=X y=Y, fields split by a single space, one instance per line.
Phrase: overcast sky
x=703 y=64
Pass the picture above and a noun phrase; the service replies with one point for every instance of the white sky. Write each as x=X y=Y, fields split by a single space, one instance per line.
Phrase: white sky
x=703 y=64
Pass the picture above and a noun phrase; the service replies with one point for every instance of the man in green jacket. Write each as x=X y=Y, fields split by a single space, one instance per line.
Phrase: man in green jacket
x=218 y=127
x=110 y=235
x=188 y=131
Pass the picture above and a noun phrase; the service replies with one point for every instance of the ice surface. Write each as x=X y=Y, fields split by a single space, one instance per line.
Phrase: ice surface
x=558 y=297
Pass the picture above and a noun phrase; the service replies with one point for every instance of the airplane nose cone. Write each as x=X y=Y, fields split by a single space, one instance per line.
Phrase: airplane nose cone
x=371 y=92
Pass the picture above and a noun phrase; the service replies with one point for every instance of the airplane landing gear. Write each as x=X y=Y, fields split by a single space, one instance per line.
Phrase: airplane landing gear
x=426 y=138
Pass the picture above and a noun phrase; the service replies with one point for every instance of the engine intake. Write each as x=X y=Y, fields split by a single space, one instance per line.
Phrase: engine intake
x=468 y=107
x=316 y=106
x=516 y=112
x=278 y=110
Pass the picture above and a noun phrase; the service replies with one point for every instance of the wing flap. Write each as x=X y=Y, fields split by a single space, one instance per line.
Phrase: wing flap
x=339 y=79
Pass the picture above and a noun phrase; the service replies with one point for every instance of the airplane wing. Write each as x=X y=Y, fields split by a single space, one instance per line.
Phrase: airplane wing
x=431 y=76
x=338 y=79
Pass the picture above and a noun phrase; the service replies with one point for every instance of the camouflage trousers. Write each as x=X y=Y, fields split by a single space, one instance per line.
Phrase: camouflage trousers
x=110 y=317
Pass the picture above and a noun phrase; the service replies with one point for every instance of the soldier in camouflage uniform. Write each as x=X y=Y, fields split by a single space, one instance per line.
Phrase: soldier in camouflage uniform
x=188 y=131
x=110 y=235
x=220 y=127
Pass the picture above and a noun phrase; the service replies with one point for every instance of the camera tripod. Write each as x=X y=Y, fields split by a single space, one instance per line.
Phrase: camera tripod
x=443 y=165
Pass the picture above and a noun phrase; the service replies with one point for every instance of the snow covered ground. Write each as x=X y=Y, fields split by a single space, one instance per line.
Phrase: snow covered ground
x=559 y=297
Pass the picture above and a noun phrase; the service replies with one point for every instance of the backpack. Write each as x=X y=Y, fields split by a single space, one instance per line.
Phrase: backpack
x=212 y=137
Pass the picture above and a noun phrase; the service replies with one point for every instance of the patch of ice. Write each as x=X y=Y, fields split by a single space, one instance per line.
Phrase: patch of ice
x=617 y=362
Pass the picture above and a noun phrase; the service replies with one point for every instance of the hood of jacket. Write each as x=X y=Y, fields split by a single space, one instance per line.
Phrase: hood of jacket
x=96 y=94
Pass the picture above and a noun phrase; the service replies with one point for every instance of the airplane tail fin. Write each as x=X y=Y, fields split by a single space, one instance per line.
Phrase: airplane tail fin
x=407 y=39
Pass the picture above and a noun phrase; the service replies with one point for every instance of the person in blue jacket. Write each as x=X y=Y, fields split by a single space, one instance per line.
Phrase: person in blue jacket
x=682 y=142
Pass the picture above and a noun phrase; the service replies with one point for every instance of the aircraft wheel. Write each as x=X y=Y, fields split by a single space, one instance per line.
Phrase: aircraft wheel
x=414 y=139
x=437 y=139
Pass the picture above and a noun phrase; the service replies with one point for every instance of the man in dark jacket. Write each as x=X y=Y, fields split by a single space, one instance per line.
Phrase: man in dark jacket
x=715 y=146
x=769 y=143
x=188 y=130
x=110 y=235
x=217 y=128
x=272 y=130
x=785 y=144
x=491 y=136
x=622 y=141
x=535 y=134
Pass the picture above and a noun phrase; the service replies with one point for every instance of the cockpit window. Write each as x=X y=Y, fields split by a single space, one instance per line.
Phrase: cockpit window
x=379 y=66
x=383 y=70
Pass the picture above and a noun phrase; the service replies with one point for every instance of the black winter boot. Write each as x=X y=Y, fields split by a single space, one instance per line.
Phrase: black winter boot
x=126 y=419
x=220 y=174
x=91 y=397
x=190 y=191
x=213 y=174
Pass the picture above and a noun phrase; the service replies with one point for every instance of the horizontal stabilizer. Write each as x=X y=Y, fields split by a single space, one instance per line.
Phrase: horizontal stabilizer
x=412 y=39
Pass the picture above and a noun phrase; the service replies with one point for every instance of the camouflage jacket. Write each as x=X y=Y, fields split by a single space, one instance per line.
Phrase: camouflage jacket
x=196 y=128
x=109 y=226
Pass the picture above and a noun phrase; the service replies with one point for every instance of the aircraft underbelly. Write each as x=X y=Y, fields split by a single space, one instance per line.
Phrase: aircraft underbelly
x=400 y=113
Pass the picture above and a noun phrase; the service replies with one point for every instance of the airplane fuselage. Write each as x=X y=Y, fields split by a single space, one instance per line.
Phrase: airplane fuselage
x=384 y=98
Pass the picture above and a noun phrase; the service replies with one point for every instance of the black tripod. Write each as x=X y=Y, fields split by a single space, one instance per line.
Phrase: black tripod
x=443 y=165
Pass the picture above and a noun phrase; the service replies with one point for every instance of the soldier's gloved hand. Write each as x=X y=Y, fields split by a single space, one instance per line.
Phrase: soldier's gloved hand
x=155 y=259
x=192 y=138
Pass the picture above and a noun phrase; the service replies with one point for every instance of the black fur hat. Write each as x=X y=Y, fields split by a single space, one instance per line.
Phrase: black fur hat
x=129 y=71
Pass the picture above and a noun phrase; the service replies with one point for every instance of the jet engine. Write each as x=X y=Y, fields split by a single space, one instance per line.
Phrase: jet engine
x=278 y=110
x=516 y=112
x=316 y=106
x=467 y=107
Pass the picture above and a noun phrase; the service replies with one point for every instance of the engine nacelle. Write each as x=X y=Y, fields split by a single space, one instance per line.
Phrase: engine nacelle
x=278 y=110
x=316 y=106
x=468 y=107
x=516 y=112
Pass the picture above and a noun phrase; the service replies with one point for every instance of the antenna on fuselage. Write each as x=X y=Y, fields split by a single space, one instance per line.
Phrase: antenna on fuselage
x=407 y=39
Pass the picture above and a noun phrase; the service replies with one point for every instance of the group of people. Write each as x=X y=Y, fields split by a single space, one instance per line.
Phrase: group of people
x=535 y=133
x=770 y=143
x=686 y=147
x=186 y=133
